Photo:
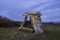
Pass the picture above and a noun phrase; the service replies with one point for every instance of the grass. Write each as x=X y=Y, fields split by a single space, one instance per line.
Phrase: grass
x=50 y=35
x=4 y=32
x=53 y=35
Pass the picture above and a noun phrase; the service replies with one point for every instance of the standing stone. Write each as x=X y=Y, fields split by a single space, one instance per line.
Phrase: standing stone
x=35 y=20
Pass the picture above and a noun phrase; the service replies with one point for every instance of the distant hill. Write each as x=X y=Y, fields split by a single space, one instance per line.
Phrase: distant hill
x=5 y=22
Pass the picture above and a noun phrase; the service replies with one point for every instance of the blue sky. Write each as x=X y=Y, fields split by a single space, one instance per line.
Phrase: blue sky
x=13 y=9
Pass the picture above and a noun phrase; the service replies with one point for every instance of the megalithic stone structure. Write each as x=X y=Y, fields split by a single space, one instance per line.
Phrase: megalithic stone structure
x=35 y=21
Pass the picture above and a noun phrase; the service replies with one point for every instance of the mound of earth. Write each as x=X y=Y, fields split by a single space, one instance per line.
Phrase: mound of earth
x=16 y=35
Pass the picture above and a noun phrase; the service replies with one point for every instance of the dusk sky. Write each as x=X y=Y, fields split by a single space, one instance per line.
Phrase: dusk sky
x=14 y=9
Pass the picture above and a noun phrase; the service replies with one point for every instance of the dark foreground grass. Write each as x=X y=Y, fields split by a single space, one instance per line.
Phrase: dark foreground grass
x=53 y=35
x=4 y=32
x=50 y=35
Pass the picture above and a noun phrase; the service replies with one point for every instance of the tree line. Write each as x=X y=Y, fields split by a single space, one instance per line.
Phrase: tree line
x=5 y=22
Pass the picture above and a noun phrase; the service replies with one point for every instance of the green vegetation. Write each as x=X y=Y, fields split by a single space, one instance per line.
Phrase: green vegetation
x=4 y=32
x=50 y=35
x=53 y=35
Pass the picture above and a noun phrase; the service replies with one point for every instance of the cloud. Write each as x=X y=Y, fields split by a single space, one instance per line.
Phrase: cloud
x=14 y=9
x=3 y=11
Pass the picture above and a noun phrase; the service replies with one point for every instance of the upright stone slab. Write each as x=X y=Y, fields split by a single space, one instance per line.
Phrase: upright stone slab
x=36 y=20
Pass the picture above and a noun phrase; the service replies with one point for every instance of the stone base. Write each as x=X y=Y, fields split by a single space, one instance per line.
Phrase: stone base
x=24 y=29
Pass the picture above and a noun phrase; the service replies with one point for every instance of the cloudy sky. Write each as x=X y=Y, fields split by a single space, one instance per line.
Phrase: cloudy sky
x=13 y=9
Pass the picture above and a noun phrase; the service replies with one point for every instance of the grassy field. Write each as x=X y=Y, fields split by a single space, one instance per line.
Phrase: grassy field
x=52 y=33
